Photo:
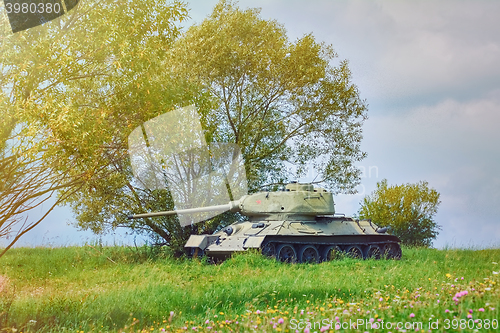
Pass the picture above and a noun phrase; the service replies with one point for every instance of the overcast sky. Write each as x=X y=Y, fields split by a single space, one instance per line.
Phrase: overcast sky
x=430 y=73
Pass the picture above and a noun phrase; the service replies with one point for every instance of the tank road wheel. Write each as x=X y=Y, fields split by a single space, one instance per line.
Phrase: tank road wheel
x=308 y=254
x=373 y=252
x=354 y=252
x=286 y=253
x=269 y=249
x=332 y=252
x=392 y=251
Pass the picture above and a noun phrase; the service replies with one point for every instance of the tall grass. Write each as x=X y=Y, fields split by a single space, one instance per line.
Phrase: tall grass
x=96 y=288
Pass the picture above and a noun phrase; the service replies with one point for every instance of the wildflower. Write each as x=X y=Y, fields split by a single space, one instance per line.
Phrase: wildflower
x=481 y=310
x=446 y=310
x=412 y=315
x=280 y=321
x=469 y=316
x=460 y=294
x=380 y=299
x=470 y=311
x=495 y=272
x=207 y=321
x=257 y=312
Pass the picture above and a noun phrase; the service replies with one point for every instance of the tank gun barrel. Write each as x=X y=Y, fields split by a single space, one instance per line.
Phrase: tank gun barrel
x=233 y=206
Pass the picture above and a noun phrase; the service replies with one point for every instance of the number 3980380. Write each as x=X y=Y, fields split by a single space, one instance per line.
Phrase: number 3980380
x=25 y=7
x=471 y=324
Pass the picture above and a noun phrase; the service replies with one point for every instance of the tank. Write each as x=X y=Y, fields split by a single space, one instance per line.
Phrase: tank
x=296 y=224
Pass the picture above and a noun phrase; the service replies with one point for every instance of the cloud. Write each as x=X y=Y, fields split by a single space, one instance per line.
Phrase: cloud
x=439 y=49
x=464 y=131
x=404 y=52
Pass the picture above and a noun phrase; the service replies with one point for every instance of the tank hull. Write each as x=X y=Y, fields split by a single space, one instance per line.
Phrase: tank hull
x=299 y=240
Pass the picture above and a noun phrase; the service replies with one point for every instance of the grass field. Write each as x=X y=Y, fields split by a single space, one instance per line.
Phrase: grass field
x=101 y=289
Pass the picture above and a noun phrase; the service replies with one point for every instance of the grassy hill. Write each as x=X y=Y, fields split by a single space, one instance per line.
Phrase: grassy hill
x=101 y=289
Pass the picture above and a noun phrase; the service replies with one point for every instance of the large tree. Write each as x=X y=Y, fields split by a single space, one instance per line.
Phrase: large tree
x=286 y=104
x=408 y=209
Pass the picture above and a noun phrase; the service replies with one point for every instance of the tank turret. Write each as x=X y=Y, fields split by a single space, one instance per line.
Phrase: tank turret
x=296 y=202
x=297 y=224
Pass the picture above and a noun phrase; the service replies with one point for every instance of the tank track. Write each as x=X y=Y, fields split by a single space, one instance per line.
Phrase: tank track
x=315 y=249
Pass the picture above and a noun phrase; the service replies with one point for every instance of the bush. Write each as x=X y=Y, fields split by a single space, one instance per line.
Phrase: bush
x=407 y=209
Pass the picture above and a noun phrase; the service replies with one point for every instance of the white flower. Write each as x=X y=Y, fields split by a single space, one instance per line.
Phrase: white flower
x=495 y=272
